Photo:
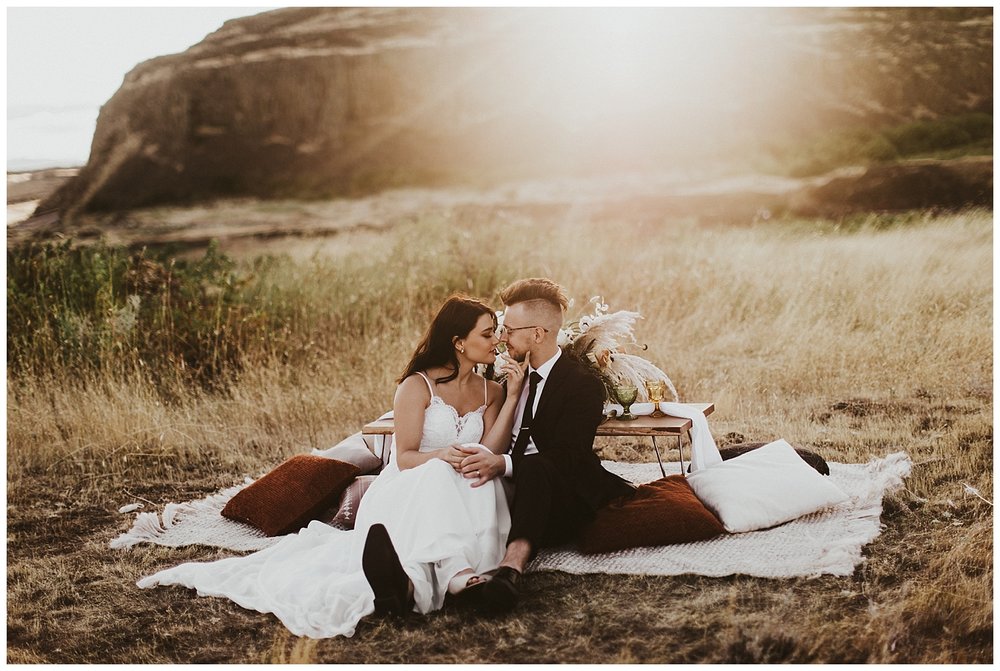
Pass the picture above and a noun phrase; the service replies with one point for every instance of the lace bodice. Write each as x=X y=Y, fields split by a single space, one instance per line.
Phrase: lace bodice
x=443 y=426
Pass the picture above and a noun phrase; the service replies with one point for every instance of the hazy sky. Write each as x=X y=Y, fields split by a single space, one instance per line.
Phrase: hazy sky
x=63 y=63
x=71 y=55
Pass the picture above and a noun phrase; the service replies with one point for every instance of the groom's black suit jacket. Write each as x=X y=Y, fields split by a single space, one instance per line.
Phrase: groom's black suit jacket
x=569 y=411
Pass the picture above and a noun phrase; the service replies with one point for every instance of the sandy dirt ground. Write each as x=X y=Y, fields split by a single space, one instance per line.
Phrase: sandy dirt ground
x=245 y=225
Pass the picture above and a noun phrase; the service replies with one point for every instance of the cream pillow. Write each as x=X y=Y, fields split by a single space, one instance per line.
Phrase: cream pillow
x=763 y=488
x=354 y=450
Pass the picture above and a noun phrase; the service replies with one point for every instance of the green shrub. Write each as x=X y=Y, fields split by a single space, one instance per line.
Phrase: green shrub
x=78 y=310
x=924 y=136
x=856 y=146
x=102 y=308
x=978 y=125
x=952 y=137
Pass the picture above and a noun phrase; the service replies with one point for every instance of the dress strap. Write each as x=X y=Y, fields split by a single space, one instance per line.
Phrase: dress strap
x=486 y=393
x=428 y=381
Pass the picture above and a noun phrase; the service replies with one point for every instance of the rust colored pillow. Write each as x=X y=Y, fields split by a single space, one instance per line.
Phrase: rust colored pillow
x=292 y=495
x=661 y=512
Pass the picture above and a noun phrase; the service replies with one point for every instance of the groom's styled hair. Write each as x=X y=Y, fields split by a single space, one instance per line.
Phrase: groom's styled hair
x=535 y=289
x=541 y=294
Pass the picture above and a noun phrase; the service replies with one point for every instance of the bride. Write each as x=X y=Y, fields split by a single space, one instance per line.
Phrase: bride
x=423 y=528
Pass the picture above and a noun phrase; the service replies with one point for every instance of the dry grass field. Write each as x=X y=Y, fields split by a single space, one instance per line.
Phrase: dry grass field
x=854 y=339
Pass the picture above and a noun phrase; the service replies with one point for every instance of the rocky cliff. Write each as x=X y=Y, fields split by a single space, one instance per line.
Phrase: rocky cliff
x=320 y=101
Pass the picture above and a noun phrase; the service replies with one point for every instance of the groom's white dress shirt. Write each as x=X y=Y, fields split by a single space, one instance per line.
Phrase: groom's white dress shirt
x=544 y=371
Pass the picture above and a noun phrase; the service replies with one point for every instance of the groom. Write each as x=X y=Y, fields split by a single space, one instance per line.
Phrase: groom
x=559 y=482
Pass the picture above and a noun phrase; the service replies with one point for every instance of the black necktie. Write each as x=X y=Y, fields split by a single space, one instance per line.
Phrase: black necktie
x=525 y=433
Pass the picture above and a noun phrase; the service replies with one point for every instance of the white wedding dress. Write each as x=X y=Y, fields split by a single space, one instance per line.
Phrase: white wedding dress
x=313 y=581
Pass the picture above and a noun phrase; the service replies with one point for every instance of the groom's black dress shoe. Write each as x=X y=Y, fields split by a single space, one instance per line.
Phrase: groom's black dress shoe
x=385 y=573
x=500 y=594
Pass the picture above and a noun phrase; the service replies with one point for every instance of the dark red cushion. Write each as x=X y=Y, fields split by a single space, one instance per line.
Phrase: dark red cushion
x=661 y=512
x=292 y=495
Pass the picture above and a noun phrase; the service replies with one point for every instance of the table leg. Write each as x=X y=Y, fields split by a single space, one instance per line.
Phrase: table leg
x=384 y=452
x=658 y=459
x=680 y=452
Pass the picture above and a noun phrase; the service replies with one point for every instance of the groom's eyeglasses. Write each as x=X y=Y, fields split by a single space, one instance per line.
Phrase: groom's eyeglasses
x=506 y=329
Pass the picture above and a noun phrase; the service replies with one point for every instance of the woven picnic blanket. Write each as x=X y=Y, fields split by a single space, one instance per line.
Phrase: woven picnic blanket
x=826 y=542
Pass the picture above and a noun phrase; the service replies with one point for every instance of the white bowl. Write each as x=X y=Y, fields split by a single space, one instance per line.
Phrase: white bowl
x=613 y=408
x=642 y=409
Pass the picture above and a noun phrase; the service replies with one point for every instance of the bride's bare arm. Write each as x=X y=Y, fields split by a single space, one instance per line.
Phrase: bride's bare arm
x=498 y=420
x=408 y=408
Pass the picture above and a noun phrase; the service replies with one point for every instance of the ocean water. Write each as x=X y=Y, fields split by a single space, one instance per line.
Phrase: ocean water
x=49 y=137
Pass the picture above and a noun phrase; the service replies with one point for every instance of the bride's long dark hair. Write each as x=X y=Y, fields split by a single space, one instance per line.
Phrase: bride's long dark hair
x=456 y=318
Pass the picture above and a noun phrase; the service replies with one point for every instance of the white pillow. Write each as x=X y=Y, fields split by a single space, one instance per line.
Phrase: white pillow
x=354 y=450
x=763 y=488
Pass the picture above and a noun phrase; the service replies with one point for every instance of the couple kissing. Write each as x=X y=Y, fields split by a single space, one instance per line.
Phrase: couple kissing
x=481 y=475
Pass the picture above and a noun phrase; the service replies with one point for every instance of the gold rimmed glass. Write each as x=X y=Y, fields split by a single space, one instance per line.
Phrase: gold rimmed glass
x=656 y=390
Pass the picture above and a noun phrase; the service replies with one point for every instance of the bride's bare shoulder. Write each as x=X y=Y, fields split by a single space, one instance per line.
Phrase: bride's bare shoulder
x=413 y=386
x=494 y=391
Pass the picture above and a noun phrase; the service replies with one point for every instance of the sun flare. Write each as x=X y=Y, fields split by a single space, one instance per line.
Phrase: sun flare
x=605 y=60
x=627 y=81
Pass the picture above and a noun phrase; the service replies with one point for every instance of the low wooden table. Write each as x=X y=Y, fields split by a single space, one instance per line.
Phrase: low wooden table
x=643 y=426
x=656 y=426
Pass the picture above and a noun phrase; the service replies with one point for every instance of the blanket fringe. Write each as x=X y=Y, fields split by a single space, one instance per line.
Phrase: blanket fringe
x=842 y=554
x=886 y=475
x=841 y=558
x=147 y=527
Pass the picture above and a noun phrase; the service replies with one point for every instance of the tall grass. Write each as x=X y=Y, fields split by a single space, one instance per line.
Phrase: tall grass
x=762 y=315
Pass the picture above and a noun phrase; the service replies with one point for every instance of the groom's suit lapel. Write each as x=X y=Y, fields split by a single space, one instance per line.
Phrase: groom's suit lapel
x=553 y=386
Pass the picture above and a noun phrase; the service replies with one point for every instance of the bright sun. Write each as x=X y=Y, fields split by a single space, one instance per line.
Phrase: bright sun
x=598 y=61
x=633 y=77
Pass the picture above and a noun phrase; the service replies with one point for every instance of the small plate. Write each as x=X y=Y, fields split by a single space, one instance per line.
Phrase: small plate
x=613 y=408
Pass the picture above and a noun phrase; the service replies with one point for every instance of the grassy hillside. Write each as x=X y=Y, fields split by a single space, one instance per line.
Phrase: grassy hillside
x=854 y=339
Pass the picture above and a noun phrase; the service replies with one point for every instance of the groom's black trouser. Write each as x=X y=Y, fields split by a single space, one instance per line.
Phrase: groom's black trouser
x=547 y=510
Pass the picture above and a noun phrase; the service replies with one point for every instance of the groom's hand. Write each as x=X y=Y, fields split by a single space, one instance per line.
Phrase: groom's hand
x=482 y=466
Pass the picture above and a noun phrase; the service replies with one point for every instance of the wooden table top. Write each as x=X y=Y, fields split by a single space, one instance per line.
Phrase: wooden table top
x=643 y=426
x=652 y=426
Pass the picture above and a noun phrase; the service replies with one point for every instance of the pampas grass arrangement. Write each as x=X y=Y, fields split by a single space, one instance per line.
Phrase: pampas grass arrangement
x=600 y=340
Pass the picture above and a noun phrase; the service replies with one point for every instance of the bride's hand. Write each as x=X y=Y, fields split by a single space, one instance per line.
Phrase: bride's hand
x=515 y=374
x=452 y=454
